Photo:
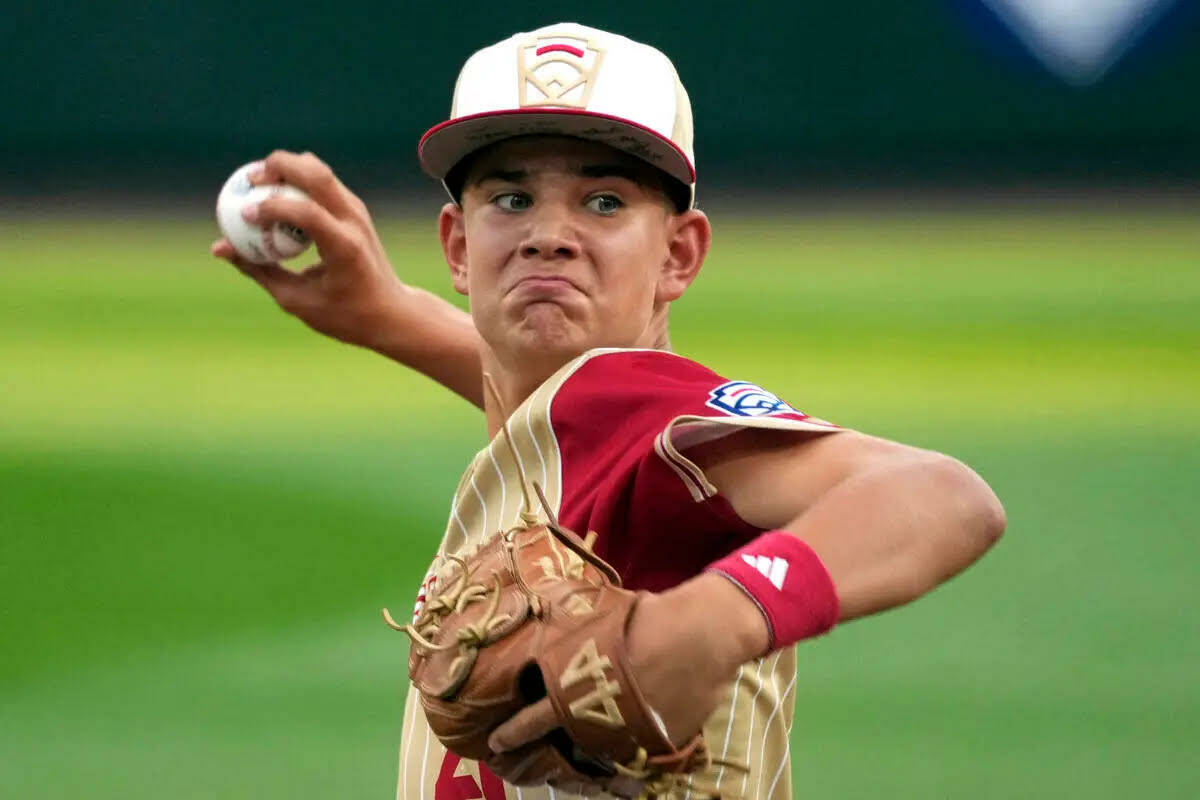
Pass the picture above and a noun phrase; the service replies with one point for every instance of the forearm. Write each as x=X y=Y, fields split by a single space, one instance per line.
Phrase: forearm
x=890 y=534
x=424 y=332
x=353 y=295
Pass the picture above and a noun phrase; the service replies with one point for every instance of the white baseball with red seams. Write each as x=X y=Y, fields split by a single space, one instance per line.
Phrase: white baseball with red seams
x=255 y=243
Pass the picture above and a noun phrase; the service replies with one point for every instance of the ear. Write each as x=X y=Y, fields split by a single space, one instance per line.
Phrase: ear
x=691 y=236
x=453 y=233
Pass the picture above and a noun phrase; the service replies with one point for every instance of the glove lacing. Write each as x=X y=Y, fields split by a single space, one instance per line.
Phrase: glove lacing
x=457 y=597
x=657 y=784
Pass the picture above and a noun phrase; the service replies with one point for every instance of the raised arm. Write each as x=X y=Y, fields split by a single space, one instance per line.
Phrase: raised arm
x=886 y=521
x=353 y=294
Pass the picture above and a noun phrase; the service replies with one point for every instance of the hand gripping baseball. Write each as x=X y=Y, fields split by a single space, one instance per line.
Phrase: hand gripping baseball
x=353 y=294
x=353 y=286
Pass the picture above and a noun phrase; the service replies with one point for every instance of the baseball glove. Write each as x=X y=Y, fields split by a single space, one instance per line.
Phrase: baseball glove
x=531 y=613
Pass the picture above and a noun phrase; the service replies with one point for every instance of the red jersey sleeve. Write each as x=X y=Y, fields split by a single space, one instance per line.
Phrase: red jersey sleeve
x=621 y=420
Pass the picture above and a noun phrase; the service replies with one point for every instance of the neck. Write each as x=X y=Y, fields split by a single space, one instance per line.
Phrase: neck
x=514 y=386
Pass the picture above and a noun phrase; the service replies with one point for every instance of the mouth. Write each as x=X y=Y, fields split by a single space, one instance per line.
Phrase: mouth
x=545 y=284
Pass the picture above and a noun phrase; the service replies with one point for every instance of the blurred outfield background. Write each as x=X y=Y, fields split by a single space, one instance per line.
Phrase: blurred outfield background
x=203 y=506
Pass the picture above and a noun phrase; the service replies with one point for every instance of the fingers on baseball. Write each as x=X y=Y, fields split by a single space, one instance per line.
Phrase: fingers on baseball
x=527 y=725
x=332 y=237
x=306 y=171
x=221 y=248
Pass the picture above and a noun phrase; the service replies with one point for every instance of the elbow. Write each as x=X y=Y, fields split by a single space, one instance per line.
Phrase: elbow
x=965 y=519
x=993 y=517
x=978 y=512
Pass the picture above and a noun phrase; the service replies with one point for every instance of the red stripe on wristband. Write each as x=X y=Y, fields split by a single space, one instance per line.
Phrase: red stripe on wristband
x=789 y=583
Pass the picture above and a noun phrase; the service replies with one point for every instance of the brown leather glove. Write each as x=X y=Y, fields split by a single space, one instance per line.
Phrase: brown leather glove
x=535 y=613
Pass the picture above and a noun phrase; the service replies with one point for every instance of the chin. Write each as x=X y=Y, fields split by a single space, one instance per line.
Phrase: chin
x=546 y=336
x=545 y=325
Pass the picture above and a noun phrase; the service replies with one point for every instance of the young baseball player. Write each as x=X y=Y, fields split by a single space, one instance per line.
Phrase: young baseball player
x=572 y=229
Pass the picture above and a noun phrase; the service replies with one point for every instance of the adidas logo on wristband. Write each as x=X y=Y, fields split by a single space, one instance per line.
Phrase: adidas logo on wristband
x=773 y=569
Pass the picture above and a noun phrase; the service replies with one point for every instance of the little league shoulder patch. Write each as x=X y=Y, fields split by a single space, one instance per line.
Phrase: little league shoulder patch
x=743 y=399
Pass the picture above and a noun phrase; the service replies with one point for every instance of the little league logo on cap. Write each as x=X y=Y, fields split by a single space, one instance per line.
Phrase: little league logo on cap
x=568 y=80
x=557 y=71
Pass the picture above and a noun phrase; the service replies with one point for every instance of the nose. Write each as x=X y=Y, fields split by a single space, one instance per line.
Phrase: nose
x=550 y=235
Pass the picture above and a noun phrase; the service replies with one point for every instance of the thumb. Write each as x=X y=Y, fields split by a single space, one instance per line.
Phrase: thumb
x=527 y=725
x=270 y=276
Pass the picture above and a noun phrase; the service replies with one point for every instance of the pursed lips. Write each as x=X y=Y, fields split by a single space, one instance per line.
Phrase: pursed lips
x=549 y=281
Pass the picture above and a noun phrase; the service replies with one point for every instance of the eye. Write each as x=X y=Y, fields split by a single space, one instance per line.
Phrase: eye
x=513 y=201
x=606 y=204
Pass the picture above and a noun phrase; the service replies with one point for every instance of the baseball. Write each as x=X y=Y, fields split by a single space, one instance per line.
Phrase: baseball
x=253 y=242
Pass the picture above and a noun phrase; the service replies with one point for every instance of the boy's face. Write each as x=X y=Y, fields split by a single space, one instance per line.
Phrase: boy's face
x=563 y=245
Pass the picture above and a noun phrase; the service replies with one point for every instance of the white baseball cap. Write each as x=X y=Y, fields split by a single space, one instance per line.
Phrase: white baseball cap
x=570 y=80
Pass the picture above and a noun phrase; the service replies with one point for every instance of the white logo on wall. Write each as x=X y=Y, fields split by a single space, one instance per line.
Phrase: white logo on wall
x=1079 y=40
x=773 y=569
x=742 y=399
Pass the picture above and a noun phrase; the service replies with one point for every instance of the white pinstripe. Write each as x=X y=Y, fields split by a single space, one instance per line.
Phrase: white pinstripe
x=446 y=547
x=482 y=503
x=729 y=727
x=425 y=764
x=503 y=491
x=766 y=725
x=754 y=708
x=406 y=736
x=536 y=446
x=787 y=739
x=458 y=519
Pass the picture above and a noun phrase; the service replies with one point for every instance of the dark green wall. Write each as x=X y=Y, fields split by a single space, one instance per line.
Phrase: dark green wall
x=169 y=93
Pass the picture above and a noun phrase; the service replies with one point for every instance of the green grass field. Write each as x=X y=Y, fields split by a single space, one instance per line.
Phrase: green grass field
x=203 y=505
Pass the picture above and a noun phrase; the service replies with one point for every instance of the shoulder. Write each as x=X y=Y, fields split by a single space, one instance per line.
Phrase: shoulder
x=655 y=383
x=607 y=384
x=624 y=399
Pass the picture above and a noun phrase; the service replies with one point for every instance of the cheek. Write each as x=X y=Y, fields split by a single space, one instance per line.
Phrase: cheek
x=485 y=251
x=637 y=261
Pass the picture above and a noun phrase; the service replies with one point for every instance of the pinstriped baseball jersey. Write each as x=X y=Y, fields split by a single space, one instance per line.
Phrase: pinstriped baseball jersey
x=604 y=437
